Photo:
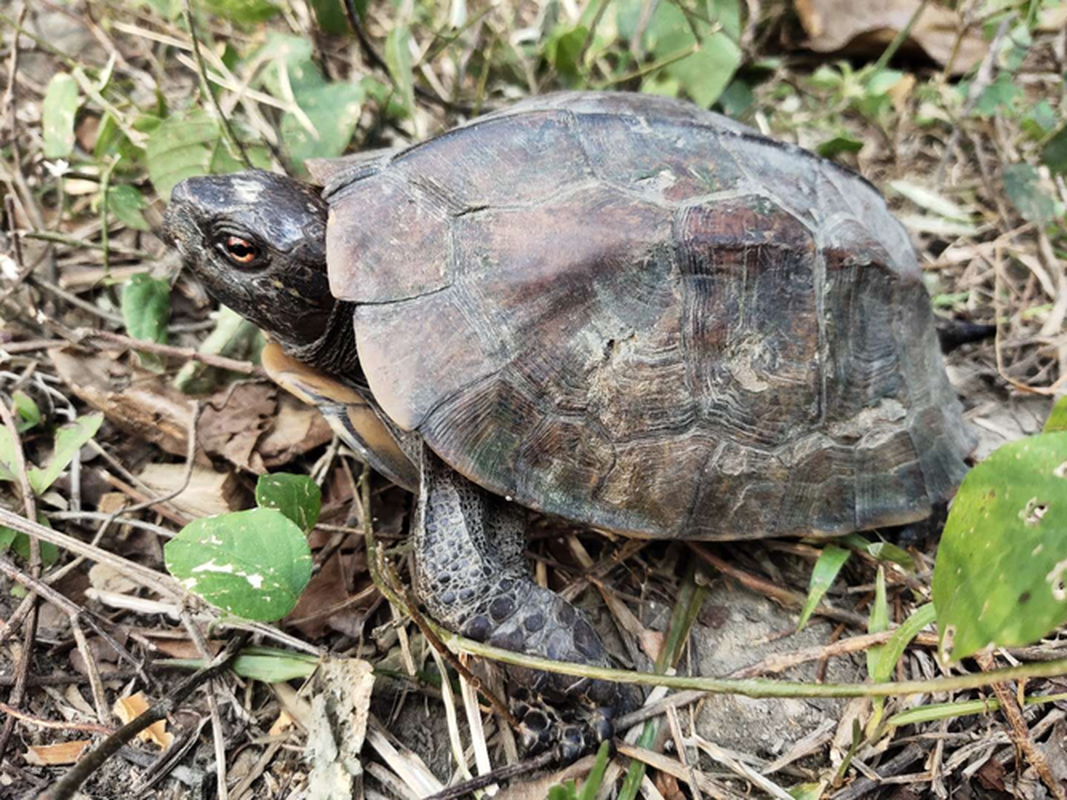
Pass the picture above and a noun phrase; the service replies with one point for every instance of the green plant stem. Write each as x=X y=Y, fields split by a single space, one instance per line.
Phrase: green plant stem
x=236 y=145
x=900 y=38
x=746 y=687
x=655 y=65
x=105 y=185
x=686 y=607
x=762 y=687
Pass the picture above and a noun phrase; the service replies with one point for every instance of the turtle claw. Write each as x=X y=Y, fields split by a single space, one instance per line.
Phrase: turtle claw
x=569 y=731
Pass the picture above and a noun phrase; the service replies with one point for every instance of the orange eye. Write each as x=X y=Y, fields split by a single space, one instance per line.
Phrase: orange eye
x=240 y=251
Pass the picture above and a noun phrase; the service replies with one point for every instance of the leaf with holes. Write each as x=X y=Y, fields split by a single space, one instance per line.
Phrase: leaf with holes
x=1001 y=573
x=296 y=496
x=252 y=563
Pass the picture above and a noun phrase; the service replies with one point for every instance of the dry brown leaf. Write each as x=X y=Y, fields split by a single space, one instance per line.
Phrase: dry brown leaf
x=130 y=707
x=105 y=578
x=253 y=425
x=208 y=492
x=652 y=643
x=297 y=428
x=325 y=596
x=52 y=755
x=182 y=648
x=869 y=27
x=283 y=723
x=139 y=403
x=232 y=424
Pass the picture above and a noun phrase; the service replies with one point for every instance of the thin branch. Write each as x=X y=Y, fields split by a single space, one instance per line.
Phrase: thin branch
x=188 y=353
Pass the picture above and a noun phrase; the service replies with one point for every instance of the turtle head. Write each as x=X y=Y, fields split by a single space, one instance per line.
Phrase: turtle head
x=257 y=241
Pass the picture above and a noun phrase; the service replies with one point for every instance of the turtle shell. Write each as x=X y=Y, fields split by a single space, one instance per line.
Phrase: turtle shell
x=642 y=316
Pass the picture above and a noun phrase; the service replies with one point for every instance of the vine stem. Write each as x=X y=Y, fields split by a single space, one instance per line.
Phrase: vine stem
x=747 y=687
x=763 y=687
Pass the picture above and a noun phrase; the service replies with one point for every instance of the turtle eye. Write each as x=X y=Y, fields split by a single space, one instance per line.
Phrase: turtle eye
x=239 y=251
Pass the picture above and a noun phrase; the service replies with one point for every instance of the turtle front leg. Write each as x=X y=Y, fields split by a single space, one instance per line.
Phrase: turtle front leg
x=470 y=574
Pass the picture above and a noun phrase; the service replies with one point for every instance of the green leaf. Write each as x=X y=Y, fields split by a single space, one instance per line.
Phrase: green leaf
x=278 y=667
x=883 y=551
x=708 y=70
x=253 y=564
x=259 y=663
x=879 y=620
x=57 y=116
x=126 y=203
x=20 y=543
x=705 y=74
x=29 y=415
x=296 y=496
x=334 y=110
x=997 y=96
x=70 y=438
x=806 y=791
x=1039 y=120
x=591 y=787
x=192 y=144
x=246 y=12
x=1054 y=153
x=330 y=15
x=1023 y=186
x=7 y=455
x=842 y=143
x=146 y=307
x=737 y=98
x=894 y=648
x=398 y=59
x=879 y=83
x=1000 y=576
x=831 y=559
x=563 y=50
x=1057 y=418
x=877 y=623
x=293 y=56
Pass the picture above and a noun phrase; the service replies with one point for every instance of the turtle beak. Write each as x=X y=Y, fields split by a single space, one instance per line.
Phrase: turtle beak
x=178 y=220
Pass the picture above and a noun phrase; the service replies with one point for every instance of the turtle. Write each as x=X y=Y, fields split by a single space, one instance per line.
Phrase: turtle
x=619 y=310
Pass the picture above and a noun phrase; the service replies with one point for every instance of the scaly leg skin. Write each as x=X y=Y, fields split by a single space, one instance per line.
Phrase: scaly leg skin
x=483 y=590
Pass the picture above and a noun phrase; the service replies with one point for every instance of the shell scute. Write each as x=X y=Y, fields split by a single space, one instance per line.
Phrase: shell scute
x=520 y=160
x=376 y=225
x=667 y=326
x=667 y=164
